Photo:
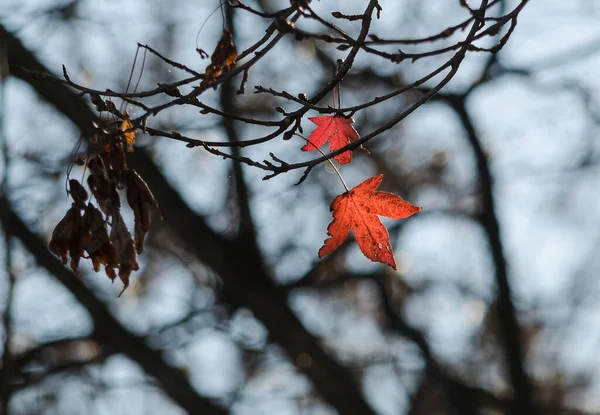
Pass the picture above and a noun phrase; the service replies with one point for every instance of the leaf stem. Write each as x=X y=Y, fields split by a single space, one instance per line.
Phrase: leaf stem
x=329 y=160
x=333 y=94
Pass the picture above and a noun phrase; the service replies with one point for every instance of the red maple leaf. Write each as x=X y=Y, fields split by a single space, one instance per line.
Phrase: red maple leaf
x=338 y=130
x=358 y=209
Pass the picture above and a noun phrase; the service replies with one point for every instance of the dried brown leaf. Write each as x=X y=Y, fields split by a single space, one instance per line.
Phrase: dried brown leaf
x=124 y=248
x=117 y=159
x=222 y=59
x=78 y=194
x=143 y=204
x=67 y=239
x=96 y=241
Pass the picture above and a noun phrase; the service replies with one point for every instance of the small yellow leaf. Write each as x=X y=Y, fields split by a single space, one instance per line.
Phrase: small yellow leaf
x=129 y=134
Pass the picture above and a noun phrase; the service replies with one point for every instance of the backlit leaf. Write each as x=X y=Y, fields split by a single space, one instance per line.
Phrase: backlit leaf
x=337 y=130
x=128 y=133
x=358 y=210
x=222 y=59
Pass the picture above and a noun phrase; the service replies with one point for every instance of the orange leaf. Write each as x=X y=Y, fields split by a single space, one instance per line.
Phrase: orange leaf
x=358 y=209
x=128 y=133
x=338 y=130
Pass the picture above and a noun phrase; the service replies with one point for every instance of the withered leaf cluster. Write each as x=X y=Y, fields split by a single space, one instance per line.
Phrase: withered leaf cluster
x=221 y=60
x=84 y=228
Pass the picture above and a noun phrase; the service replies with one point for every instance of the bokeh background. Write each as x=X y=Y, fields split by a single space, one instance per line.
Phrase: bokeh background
x=494 y=305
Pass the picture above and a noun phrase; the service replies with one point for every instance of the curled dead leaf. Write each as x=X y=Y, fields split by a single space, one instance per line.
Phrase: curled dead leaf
x=100 y=188
x=124 y=248
x=96 y=242
x=103 y=188
x=78 y=194
x=142 y=203
x=67 y=239
x=116 y=157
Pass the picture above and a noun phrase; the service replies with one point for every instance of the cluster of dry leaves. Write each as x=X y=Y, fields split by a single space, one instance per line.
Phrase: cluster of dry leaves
x=84 y=228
